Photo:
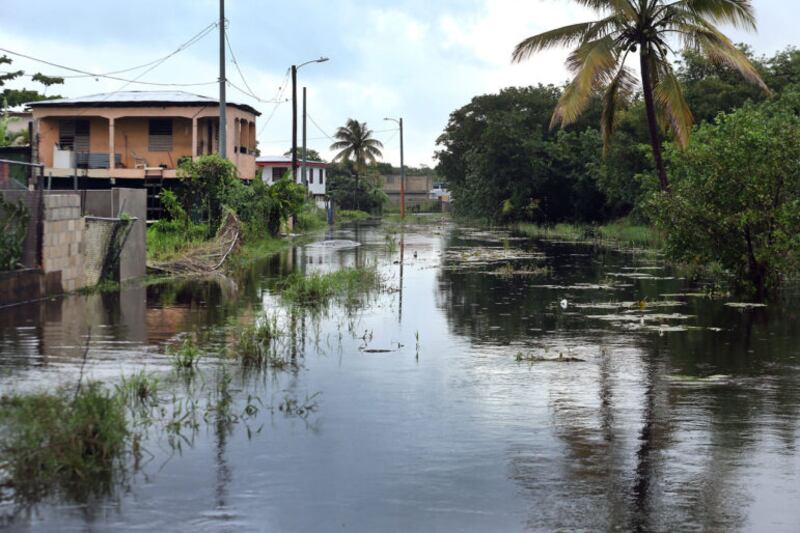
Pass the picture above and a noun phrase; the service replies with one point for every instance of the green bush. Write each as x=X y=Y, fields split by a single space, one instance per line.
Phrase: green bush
x=174 y=233
x=13 y=227
x=735 y=198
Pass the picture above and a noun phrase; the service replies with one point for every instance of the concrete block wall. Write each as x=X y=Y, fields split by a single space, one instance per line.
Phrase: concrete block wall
x=63 y=240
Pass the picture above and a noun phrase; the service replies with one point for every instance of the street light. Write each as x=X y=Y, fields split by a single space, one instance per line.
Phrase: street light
x=295 y=68
x=402 y=170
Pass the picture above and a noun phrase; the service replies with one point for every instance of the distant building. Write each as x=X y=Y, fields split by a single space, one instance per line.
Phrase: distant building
x=277 y=166
x=19 y=119
x=136 y=138
x=418 y=189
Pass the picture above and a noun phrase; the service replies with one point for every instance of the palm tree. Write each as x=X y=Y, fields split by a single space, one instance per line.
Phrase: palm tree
x=355 y=143
x=648 y=27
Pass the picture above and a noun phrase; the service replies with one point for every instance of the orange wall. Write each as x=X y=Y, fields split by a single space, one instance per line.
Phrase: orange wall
x=131 y=137
x=131 y=133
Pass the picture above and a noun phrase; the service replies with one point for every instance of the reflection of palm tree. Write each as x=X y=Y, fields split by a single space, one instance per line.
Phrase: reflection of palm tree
x=603 y=46
x=355 y=143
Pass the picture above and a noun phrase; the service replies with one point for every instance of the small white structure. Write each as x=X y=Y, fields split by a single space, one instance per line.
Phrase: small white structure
x=276 y=167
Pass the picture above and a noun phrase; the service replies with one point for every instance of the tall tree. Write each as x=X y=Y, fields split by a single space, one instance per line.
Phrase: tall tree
x=355 y=143
x=647 y=27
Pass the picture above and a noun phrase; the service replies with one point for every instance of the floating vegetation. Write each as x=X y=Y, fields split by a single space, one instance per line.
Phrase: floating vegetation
x=580 y=287
x=465 y=257
x=641 y=305
x=640 y=276
x=641 y=317
x=717 y=379
x=510 y=270
x=744 y=305
x=319 y=290
x=522 y=357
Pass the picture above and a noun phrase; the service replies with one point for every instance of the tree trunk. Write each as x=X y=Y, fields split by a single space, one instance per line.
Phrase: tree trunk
x=652 y=121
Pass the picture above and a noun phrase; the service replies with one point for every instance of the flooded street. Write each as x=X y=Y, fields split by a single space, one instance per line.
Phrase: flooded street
x=494 y=383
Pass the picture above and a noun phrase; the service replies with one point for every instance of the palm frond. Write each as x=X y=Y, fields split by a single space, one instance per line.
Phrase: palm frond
x=617 y=94
x=592 y=63
x=717 y=47
x=739 y=13
x=671 y=101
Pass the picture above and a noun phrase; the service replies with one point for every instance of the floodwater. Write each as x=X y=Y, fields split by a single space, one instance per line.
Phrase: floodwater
x=495 y=384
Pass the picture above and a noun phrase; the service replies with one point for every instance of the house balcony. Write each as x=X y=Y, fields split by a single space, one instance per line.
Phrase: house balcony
x=137 y=147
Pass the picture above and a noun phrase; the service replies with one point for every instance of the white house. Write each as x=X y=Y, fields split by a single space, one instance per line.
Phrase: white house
x=276 y=167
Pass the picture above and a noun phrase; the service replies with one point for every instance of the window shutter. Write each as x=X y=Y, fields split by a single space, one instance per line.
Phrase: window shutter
x=160 y=139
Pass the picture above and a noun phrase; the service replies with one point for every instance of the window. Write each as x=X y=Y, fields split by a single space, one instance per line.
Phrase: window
x=310 y=175
x=160 y=135
x=321 y=176
x=73 y=135
x=278 y=173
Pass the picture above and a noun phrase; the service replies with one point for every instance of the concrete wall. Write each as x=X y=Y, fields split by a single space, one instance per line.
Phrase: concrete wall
x=65 y=253
x=62 y=240
x=133 y=261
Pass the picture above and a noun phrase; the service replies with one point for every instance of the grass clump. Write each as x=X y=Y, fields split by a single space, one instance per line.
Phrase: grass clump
x=351 y=215
x=322 y=289
x=71 y=441
x=620 y=232
x=140 y=389
x=186 y=356
x=255 y=345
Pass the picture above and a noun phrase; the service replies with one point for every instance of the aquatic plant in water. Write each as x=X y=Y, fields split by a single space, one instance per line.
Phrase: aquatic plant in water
x=69 y=442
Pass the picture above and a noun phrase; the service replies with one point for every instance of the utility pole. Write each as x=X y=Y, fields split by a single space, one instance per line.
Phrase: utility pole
x=294 y=122
x=402 y=175
x=295 y=68
x=402 y=169
x=223 y=121
x=305 y=156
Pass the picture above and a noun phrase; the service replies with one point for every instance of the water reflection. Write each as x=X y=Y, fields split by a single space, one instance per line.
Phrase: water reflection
x=659 y=428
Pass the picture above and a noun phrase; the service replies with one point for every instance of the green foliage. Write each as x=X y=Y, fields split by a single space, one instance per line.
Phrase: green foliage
x=13 y=228
x=175 y=233
x=17 y=97
x=186 y=356
x=736 y=198
x=310 y=218
x=346 y=215
x=63 y=441
x=319 y=290
x=503 y=163
x=255 y=346
x=206 y=184
x=351 y=192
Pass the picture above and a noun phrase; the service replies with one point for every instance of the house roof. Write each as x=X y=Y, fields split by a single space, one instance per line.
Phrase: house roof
x=283 y=160
x=138 y=99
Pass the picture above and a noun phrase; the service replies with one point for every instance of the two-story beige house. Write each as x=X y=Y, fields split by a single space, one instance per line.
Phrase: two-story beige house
x=136 y=138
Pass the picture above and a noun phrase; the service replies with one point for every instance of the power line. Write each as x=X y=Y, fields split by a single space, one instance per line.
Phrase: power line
x=278 y=101
x=152 y=65
x=239 y=70
x=314 y=122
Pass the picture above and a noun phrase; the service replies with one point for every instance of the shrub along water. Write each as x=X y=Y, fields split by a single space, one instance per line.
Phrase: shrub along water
x=208 y=186
x=735 y=198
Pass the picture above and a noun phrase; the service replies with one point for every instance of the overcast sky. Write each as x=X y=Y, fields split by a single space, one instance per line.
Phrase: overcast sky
x=419 y=59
